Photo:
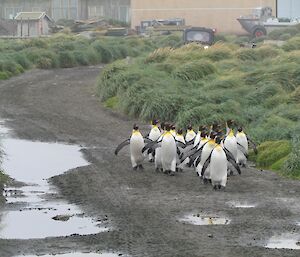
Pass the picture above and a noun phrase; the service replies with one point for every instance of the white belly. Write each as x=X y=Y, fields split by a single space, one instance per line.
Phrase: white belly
x=168 y=153
x=136 y=146
x=218 y=167
x=154 y=134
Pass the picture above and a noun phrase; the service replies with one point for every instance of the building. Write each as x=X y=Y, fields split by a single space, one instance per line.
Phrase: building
x=218 y=14
x=32 y=24
x=288 y=8
x=68 y=9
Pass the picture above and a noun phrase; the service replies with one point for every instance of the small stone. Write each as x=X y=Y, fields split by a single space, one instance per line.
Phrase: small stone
x=210 y=235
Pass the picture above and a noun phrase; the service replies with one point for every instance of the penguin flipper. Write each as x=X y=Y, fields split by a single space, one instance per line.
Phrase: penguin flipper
x=193 y=157
x=235 y=165
x=188 y=154
x=180 y=144
x=207 y=162
x=191 y=142
x=228 y=154
x=120 y=146
x=148 y=145
x=147 y=140
x=242 y=149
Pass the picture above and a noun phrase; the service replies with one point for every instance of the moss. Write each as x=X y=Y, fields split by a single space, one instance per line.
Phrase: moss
x=111 y=102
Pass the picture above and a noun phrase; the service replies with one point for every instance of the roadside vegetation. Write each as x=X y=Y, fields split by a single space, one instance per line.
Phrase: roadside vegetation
x=259 y=88
x=65 y=51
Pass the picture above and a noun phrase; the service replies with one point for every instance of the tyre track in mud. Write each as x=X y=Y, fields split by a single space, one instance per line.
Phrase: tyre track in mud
x=143 y=207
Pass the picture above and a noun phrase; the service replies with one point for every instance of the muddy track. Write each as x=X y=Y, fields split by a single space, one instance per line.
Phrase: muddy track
x=143 y=207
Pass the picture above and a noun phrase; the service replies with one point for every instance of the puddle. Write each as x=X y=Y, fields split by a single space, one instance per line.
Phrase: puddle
x=76 y=255
x=241 y=205
x=33 y=163
x=287 y=241
x=205 y=220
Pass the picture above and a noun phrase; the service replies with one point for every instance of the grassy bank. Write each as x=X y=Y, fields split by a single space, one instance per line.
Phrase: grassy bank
x=260 y=88
x=64 y=51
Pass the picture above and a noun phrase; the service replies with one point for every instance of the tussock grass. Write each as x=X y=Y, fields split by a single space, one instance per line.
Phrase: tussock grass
x=259 y=88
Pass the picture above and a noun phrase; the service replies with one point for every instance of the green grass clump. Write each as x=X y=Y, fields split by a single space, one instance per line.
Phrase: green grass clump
x=194 y=70
x=292 y=44
x=272 y=152
x=291 y=166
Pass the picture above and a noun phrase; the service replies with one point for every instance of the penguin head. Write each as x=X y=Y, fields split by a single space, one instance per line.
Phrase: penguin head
x=135 y=127
x=173 y=127
x=240 y=129
x=230 y=123
x=167 y=127
x=162 y=125
x=213 y=135
x=180 y=132
x=155 y=122
x=218 y=140
x=204 y=133
x=190 y=127
x=201 y=128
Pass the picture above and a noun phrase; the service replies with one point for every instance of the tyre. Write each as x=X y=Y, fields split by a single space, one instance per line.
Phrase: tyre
x=259 y=32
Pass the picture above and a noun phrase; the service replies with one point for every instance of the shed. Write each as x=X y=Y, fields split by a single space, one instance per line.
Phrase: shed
x=32 y=24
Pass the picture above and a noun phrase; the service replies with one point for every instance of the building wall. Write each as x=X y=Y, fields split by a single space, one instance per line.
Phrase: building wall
x=218 y=14
x=32 y=28
x=289 y=8
x=9 y=8
x=68 y=9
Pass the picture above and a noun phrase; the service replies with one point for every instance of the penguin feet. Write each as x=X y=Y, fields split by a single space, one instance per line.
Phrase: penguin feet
x=151 y=160
x=135 y=167
x=205 y=181
x=219 y=187
x=215 y=187
x=172 y=173
x=141 y=167
x=166 y=171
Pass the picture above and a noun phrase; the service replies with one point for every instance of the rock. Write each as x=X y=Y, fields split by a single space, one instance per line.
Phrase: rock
x=210 y=235
x=62 y=217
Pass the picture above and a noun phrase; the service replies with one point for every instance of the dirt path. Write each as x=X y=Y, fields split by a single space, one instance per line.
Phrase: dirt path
x=143 y=207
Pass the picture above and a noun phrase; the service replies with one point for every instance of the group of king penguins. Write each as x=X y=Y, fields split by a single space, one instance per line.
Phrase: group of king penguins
x=215 y=152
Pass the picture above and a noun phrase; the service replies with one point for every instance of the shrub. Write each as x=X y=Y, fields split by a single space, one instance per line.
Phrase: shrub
x=194 y=70
x=66 y=59
x=291 y=166
x=292 y=44
x=4 y=75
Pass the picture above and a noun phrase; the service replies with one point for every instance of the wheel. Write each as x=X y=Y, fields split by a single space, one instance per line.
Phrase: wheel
x=259 y=32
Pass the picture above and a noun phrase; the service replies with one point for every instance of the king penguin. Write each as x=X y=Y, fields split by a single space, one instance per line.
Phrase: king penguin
x=154 y=135
x=206 y=151
x=136 y=143
x=218 y=166
x=242 y=147
x=168 y=152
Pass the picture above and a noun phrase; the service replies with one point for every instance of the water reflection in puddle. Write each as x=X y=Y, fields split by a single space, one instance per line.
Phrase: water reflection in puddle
x=287 y=241
x=76 y=255
x=205 y=220
x=33 y=163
